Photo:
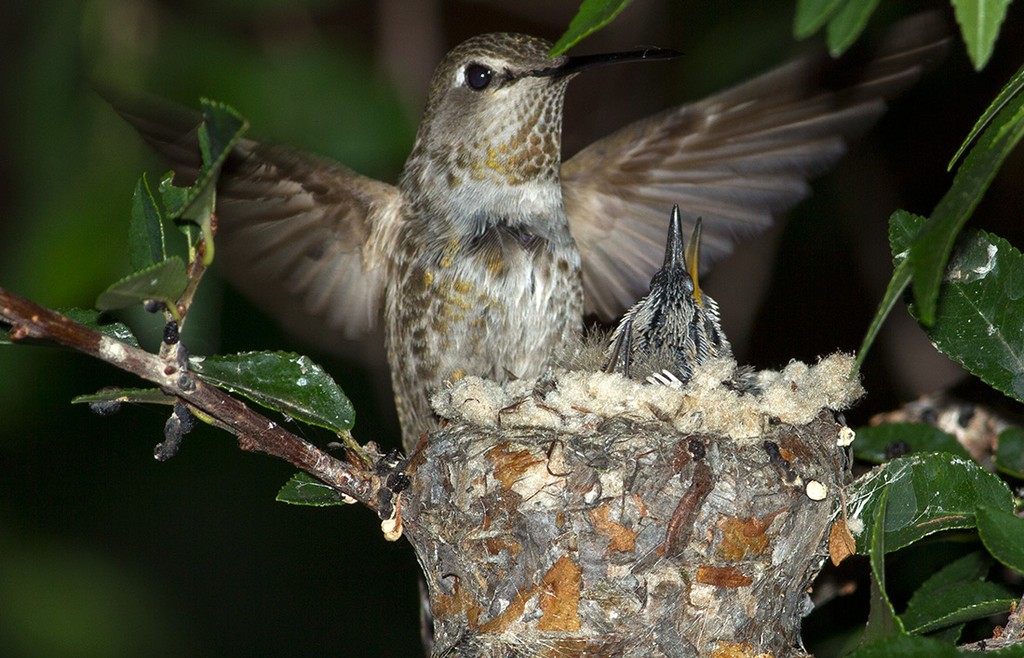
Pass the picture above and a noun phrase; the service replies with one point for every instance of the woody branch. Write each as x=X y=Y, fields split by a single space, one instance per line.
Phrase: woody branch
x=254 y=431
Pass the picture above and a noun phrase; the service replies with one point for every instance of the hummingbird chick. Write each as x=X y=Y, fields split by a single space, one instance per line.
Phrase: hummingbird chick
x=675 y=327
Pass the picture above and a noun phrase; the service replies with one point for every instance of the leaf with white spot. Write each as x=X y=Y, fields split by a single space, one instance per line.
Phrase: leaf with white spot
x=981 y=312
x=282 y=381
x=927 y=493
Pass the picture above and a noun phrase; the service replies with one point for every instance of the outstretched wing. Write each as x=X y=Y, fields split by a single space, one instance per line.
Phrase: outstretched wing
x=302 y=236
x=737 y=159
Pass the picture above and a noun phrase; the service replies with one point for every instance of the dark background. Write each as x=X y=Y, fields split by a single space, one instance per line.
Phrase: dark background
x=104 y=551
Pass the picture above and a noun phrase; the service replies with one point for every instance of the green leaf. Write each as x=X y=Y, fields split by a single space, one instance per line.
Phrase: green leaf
x=847 y=24
x=872 y=442
x=163 y=282
x=146 y=244
x=1011 y=89
x=882 y=619
x=980 y=21
x=927 y=494
x=901 y=231
x=281 y=381
x=591 y=17
x=949 y=635
x=929 y=602
x=956 y=604
x=960 y=604
x=972 y=567
x=975 y=326
x=981 y=312
x=101 y=323
x=304 y=489
x=221 y=129
x=199 y=203
x=1010 y=453
x=903 y=228
x=135 y=395
x=173 y=197
x=811 y=15
x=934 y=243
x=905 y=646
x=1003 y=535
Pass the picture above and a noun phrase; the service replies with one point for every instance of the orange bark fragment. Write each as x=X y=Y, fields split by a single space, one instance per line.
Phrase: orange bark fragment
x=743 y=536
x=566 y=647
x=841 y=543
x=741 y=650
x=511 y=466
x=620 y=538
x=792 y=447
x=496 y=545
x=723 y=577
x=510 y=614
x=560 y=597
x=447 y=605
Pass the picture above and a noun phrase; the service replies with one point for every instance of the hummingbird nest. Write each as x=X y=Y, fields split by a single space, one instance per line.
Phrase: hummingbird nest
x=585 y=513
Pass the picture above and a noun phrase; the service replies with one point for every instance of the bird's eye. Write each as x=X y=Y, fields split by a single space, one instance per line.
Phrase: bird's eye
x=478 y=76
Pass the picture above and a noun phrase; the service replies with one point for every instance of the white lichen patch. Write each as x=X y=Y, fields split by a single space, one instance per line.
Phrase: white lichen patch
x=703 y=596
x=112 y=350
x=539 y=488
x=477 y=400
x=612 y=485
x=573 y=401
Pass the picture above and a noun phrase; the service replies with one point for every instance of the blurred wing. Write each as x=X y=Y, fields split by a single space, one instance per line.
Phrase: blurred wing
x=303 y=237
x=307 y=239
x=737 y=159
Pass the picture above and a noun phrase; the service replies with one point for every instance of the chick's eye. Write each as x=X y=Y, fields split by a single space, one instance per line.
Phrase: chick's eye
x=478 y=76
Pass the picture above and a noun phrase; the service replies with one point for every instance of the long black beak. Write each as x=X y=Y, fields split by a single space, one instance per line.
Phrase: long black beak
x=578 y=63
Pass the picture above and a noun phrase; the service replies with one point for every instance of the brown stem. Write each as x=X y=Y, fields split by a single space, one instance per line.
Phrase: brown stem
x=255 y=432
x=196 y=269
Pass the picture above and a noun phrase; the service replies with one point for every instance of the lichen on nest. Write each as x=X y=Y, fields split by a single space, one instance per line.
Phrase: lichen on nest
x=576 y=401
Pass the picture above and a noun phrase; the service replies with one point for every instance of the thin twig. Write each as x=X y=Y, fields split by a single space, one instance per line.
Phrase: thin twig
x=255 y=432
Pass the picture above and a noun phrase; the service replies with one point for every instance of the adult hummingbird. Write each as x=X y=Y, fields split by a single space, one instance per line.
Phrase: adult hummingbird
x=489 y=251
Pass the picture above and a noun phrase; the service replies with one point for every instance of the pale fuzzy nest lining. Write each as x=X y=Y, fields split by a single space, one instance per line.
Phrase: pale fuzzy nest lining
x=578 y=401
